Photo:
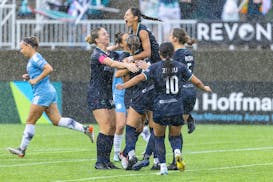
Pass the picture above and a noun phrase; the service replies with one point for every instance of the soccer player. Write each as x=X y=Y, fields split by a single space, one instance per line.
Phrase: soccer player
x=168 y=76
x=44 y=96
x=99 y=97
x=120 y=75
x=178 y=37
x=138 y=107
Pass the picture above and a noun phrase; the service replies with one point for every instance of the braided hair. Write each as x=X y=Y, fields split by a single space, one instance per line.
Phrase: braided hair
x=166 y=51
x=137 y=12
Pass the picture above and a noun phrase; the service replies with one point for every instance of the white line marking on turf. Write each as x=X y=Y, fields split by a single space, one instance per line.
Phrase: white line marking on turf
x=53 y=150
x=229 y=150
x=43 y=163
x=67 y=150
x=194 y=170
x=81 y=160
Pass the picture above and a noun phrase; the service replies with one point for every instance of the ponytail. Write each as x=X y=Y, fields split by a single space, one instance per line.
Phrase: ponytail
x=93 y=35
x=166 y=50
x=150 y=18
x=182 y=36
x=168 y=65
x=137 y=12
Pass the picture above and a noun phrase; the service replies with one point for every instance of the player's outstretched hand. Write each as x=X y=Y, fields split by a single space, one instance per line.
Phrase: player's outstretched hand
x=25 y=77
x=142 y=64
x=207 y=89
x=132 y=67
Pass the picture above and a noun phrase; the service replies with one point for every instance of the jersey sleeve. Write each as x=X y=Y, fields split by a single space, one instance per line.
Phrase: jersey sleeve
x=39 y=62
x=149 y=72
x=98 y=56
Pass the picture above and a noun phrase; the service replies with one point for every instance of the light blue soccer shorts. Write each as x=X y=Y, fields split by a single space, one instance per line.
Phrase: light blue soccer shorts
x=45 y=99
x=119 y=103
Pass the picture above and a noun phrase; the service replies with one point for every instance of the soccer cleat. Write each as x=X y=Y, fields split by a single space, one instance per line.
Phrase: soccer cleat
x=17 y=151
x=116 y=157
x=89 y=131
x=180 y=164
x=155 y=167
x=110 y=165
x=172 y=166
x=141 y=164
x=191 y=124
x=101 y=165
x=124 y=161
x=131 y=162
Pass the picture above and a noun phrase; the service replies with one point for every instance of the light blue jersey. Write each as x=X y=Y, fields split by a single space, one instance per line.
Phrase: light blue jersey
x=118 y=95
x=43 y=92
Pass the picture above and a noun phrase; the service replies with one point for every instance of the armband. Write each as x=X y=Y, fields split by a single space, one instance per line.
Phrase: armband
x=101 y=58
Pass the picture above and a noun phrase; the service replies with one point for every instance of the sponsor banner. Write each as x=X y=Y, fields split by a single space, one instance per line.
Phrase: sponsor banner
x=16 y=99
x=236 y=102
x=234 y=32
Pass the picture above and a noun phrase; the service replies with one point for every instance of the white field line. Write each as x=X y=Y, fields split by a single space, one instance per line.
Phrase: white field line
x=67 y=150
x=43 y=163
x=141 y=174
x=229 y=150
x=82 y=160
x=52 y=150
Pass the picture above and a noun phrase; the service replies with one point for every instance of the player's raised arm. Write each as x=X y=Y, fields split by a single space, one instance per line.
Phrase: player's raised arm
x=199 y=84
x=135 y=80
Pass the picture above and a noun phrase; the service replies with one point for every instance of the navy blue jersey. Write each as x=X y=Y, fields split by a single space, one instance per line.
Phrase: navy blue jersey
x=101 y=75
x=167 y=98
x=154 y=45
x=185 y=56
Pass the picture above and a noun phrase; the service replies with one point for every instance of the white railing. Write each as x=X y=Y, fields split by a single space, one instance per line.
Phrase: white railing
x=54 y=33
x=7 y=25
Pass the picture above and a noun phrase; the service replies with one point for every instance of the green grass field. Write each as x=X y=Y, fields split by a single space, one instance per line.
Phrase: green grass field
x=212 y=153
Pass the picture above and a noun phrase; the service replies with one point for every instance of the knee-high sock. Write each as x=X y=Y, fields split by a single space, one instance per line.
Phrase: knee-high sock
x=71 y=124
x=150 y=148
x=176 y=143
x=28 y=135
x=131 y=137
x=104 y=147
x=117 y=143
x=160 y=148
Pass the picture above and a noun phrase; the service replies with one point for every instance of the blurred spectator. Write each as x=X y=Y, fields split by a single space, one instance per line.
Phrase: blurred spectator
x=24 y=10
x=209 y=9
x=94 y=13
x=188 y=9
x=230 y=11
x=75 y=7
x=266 y=6
x=254 y=12
x=168 y=10
x=268 y=10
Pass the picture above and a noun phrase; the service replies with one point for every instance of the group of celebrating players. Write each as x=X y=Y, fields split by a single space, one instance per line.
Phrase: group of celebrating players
x=132 y=82
x=159 y=86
